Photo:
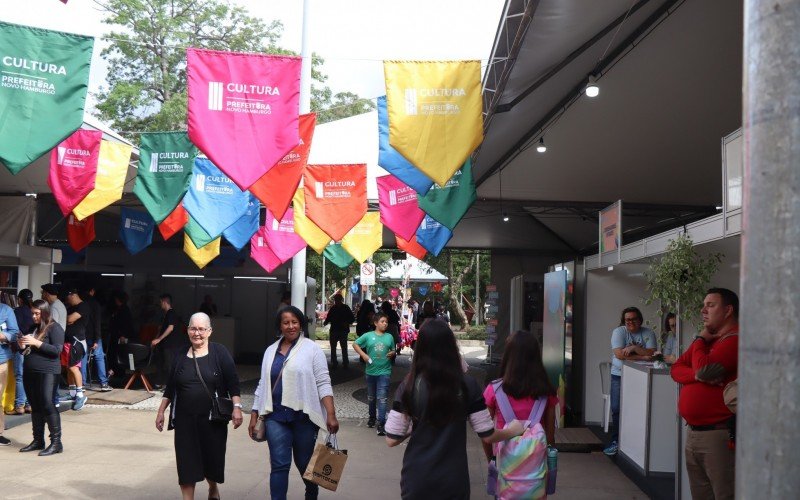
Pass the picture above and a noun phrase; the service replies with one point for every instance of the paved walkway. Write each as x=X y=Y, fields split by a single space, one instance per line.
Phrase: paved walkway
x=113 y=452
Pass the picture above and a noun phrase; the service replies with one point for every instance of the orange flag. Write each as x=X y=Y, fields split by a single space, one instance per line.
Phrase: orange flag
x=276 y=188
x=336 y=197
x=174 y=222
x=411 y=247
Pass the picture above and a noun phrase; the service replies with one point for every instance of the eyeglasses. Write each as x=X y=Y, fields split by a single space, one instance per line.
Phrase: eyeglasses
x=198 y=329
x=632 y=320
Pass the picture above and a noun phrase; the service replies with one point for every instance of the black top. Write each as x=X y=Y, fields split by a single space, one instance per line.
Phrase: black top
x=45 y=359
x=93 y=329
x=192 y=398
x=77 y=330
x=121 y=325
x=340 y=317
x=435 y=461
x=176 y=339
x=222 y=377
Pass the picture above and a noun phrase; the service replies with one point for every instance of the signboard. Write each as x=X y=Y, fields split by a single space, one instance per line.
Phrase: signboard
x=554 y=333
x=610 y=230
x=368 y=273
x=491 y=314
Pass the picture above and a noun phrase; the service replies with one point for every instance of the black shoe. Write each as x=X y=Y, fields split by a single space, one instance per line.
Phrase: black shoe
x=4 y=441
x=34 y=446
x=371 y=422
x=381 y=431
x=55 y=447
x=37 y=422
x=54 y=423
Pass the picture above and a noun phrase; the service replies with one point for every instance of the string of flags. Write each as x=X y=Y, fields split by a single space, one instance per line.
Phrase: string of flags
x=245 y=150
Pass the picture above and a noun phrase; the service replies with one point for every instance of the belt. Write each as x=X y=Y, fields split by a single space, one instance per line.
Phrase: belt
x=712 y=427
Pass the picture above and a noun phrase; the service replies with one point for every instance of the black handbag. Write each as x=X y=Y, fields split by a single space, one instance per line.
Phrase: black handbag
x=221 y=408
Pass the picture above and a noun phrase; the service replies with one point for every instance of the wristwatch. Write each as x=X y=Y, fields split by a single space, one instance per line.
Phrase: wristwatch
x=237 y=405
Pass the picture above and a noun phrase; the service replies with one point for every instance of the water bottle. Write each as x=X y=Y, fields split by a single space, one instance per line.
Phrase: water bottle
x=552 y=469
x=491 y=478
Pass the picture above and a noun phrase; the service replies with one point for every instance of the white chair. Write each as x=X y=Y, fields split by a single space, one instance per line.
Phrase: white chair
x=605 y=384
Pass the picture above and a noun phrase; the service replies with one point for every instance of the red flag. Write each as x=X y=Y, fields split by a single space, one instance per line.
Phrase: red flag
x=411 y=247
x=80 y=232
x=174 y=222
x=336 y=197
x=73 y=168
x=243 y=110
x=276 y=188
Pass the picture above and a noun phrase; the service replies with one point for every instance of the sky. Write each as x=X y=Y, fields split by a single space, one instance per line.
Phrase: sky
x=353 y=36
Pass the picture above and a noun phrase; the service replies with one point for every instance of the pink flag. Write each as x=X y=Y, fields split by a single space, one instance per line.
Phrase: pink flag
x=73 y=168
x=260 y=252
x=281 y=238
x=243 y=110
x=400 y=211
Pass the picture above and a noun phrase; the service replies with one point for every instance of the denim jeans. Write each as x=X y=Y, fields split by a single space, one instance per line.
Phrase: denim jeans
x=99 y=362
x=285 y=439
x=20 y=398
x=616 y=384
x=377 y=388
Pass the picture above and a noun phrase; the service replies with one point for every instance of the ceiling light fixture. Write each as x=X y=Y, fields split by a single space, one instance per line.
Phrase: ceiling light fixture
x=541 y=147
x=592 y=90
x=505 y=217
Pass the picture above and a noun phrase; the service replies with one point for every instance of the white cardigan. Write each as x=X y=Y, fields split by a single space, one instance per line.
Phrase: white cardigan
x=305 y=381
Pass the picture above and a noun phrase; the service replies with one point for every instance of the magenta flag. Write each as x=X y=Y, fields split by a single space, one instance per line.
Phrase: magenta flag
x=243 y=110
x=261 y=253
x=281 y=238
x=399 y=208
x=73 y=168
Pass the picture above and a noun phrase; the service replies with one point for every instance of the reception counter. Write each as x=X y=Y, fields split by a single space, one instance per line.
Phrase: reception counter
x=648 y=435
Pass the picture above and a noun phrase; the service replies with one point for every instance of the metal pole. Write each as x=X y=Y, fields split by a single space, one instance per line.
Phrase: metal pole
x=324 y=295
x=768 y=436
x=678 y=419
x=477 y=288
x=33 y=228
x=298 y=284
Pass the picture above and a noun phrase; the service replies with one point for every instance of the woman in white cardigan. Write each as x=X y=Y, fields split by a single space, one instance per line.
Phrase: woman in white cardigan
x=295 y=398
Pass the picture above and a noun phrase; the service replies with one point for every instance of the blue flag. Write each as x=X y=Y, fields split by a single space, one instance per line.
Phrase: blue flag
x=423 y=290
x=239 y=233
x=394 y=162
x=213 y=200
x=136 y=230
x=432 y=235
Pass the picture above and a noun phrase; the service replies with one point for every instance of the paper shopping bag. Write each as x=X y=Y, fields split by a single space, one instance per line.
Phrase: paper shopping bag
x=327 y=464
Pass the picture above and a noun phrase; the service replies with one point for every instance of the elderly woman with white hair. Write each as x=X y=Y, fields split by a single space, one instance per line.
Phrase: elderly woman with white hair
x=203 y=371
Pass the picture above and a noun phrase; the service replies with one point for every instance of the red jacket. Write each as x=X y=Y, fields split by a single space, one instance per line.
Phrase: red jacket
x=700 y=403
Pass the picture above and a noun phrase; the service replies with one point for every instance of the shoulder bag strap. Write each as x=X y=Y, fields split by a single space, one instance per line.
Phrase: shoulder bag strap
x=538 y=410
x=200 y=375
x=503 y=403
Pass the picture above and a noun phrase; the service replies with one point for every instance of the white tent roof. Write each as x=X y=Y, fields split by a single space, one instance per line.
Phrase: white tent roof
x=419 y=271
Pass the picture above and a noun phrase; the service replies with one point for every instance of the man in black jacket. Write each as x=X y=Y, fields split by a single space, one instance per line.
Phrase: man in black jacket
x=340 y=317
x=94 y=340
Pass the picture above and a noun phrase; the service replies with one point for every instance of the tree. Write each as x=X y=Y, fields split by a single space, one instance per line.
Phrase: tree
x=336 y=277
x=342 y=105
x=459 y=267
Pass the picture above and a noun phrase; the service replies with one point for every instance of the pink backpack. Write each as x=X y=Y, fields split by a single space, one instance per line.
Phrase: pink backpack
x=521 y=461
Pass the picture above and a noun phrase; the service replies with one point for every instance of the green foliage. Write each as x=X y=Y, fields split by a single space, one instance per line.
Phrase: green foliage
x=336 y=277
x=459 y=267
x=474 y=333
x=339 y=106
x=680 y=278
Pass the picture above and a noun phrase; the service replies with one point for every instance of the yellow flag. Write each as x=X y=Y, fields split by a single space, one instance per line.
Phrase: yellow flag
x=112 y=167
x=304 y=227
x=365 y=238
x=200 y=256
x=435 y=113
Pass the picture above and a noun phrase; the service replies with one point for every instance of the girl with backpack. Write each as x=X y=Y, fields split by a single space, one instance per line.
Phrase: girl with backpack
x=430 y=409
x=522 y=392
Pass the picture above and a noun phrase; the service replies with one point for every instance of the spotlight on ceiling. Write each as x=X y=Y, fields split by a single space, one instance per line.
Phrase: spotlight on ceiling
x=592 y=90
x=505 y=217
x=541 y=147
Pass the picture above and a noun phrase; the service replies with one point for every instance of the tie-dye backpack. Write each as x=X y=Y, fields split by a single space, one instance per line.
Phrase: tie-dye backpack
x=522 y=461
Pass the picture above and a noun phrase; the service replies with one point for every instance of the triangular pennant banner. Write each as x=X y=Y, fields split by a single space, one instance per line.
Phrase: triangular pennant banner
x=411 y=247
x=243 y=110
x=201 y=256
x=73 y=168
x=136 y=229
x=432 y=235
x=281 y=238
x=448 y=204
x=112 y=167
x=399 y=209
x=43 y=92
x=338 y=255
x=276 y=188
x=365 y=238
x=261 y=253
x=165 y=167
x=304 y=227
x=435 y=113
x=423 y=290
x=239 y=233
x=79 y=233
x=197 y=234
x=174 y=222
x=213 y=200
x=394 y=162
x=336 y=196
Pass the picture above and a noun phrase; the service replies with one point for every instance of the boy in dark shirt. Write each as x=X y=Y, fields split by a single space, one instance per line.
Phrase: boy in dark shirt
x=78 y=315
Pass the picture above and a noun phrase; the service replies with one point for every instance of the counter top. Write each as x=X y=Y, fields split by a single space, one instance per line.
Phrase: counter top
x=646 y=366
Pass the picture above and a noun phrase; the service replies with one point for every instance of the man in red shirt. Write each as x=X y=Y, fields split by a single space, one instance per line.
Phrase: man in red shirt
x=704 y=370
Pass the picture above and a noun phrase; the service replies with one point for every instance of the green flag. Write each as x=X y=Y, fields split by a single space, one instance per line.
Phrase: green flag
x=165 y=168
x=338 y=255
x=197 y=234
x=44 y=76
x=448 y=204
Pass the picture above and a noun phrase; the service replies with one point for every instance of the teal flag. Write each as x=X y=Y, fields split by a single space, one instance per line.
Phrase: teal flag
x=44 y=76
x=338 y=255
x=448 y=204
x=165 y=169
x=197 y=234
